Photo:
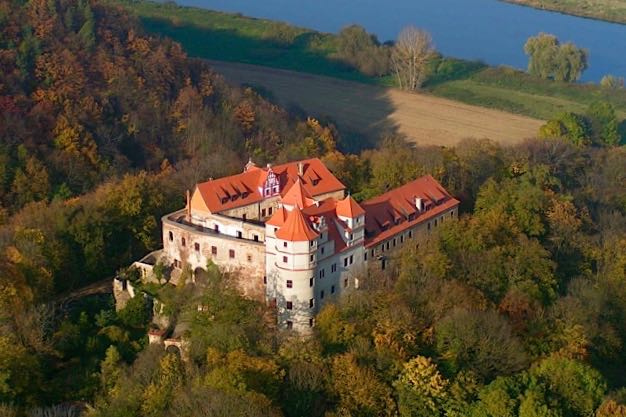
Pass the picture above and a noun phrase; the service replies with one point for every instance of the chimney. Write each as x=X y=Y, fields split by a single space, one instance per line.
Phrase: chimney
x=300 y=169
x=419 y=204
x=188 y=211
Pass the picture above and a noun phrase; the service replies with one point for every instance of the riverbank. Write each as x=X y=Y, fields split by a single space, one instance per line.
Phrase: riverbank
x=607 y=10
x=234 y=38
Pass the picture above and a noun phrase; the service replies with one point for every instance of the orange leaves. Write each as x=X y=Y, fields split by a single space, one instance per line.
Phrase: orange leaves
x=42 y=16
x=62 y=72
x=245 y=116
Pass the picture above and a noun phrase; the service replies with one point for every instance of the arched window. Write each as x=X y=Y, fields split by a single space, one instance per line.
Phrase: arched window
x=183 y=241
x=171 y=236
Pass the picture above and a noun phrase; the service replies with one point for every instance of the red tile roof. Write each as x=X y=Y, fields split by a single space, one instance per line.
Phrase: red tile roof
x=279 y=217
x=247 y=188
x=395 y=211
x=348 y=207
x=296 y=228
x=297 y=195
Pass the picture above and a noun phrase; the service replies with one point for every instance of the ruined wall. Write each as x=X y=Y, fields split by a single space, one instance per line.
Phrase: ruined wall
x=245 y=258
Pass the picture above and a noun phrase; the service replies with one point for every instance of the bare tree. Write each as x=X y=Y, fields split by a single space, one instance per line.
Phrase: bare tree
x=410 y=56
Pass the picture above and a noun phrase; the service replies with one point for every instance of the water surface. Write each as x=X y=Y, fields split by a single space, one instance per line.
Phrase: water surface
x=488 y=30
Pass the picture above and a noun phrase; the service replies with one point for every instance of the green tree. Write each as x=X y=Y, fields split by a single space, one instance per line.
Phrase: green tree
x=550 y=59
x=570 y=126
x=479 y=341
x=135 y=313
x=604 y=123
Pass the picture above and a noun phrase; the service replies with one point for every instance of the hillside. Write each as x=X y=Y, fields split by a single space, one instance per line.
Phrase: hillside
x=86 y=95
x=370 y=111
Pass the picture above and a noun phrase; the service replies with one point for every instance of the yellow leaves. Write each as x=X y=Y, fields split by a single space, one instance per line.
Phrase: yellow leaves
x=73 y=140
x=420 y=382
x=359 y=390
x=575 y=343
x=241 y=372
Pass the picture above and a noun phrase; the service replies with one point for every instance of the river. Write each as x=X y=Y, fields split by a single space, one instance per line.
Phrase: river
x=487 y=30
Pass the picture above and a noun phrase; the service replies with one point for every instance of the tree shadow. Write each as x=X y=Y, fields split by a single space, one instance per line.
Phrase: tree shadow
x=308 y=83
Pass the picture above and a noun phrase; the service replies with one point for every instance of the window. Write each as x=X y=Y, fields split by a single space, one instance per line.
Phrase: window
x=183 y=241
x=365 y=256
x=382 y=247
x=289 y=323
x=263 y=213
x=410 y=233
x=311 y=303
x=322 y=294
x=249 y=257
x=394 y=242
x=196 y=246
x=333 y=268
x=312 y=243
x=289 y=283
x=264 y=279
x=435 y=222
x=322 y=273
x=351 y=259
x=289 y=305
x=452 y=213
x=216 y=228
x=345 y=283
x=345 y=261
x=310 y=322
x=275 y=229
x=310 y=282
x=387 y=245
x=213 y=250
x=312 y=257
x=171 y=236
x=372 y=253
x=284 y=244
x=231 y=253
x=269 y=211
x=255 y=238
x=244 y=217
x=315 y=182
x=239 y=234
x=322 y=250
x=284 y=259
x=332 y=289
x=428 y=225
x=401 y=238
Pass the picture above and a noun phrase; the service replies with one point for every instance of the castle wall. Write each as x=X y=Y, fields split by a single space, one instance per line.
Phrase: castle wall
x=231 y=254
x=378 y=254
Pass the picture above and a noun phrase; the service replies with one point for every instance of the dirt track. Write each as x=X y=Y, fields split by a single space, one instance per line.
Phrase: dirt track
x=371 y=110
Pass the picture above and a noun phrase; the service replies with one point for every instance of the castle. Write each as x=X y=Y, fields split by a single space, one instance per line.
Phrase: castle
x=293 y=235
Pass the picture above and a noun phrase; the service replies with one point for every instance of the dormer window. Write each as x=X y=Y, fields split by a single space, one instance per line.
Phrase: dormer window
x=224 y=200
x=315 y=182
x=244 y=194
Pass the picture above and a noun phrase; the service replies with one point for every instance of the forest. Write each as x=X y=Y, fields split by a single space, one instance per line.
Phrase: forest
x=517 y=309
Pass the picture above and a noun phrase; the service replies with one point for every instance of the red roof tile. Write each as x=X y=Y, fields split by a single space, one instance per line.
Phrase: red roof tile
x=297 y=195
x=395 y=211
x=349 y=208
x=296 y=228
x=247 y=188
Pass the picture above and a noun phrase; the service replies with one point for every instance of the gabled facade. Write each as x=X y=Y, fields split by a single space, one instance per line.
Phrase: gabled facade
x=294 y=236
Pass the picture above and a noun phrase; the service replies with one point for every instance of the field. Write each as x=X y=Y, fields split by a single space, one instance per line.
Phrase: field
x=611 y=10
x=236 y=38
x=368 y=111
